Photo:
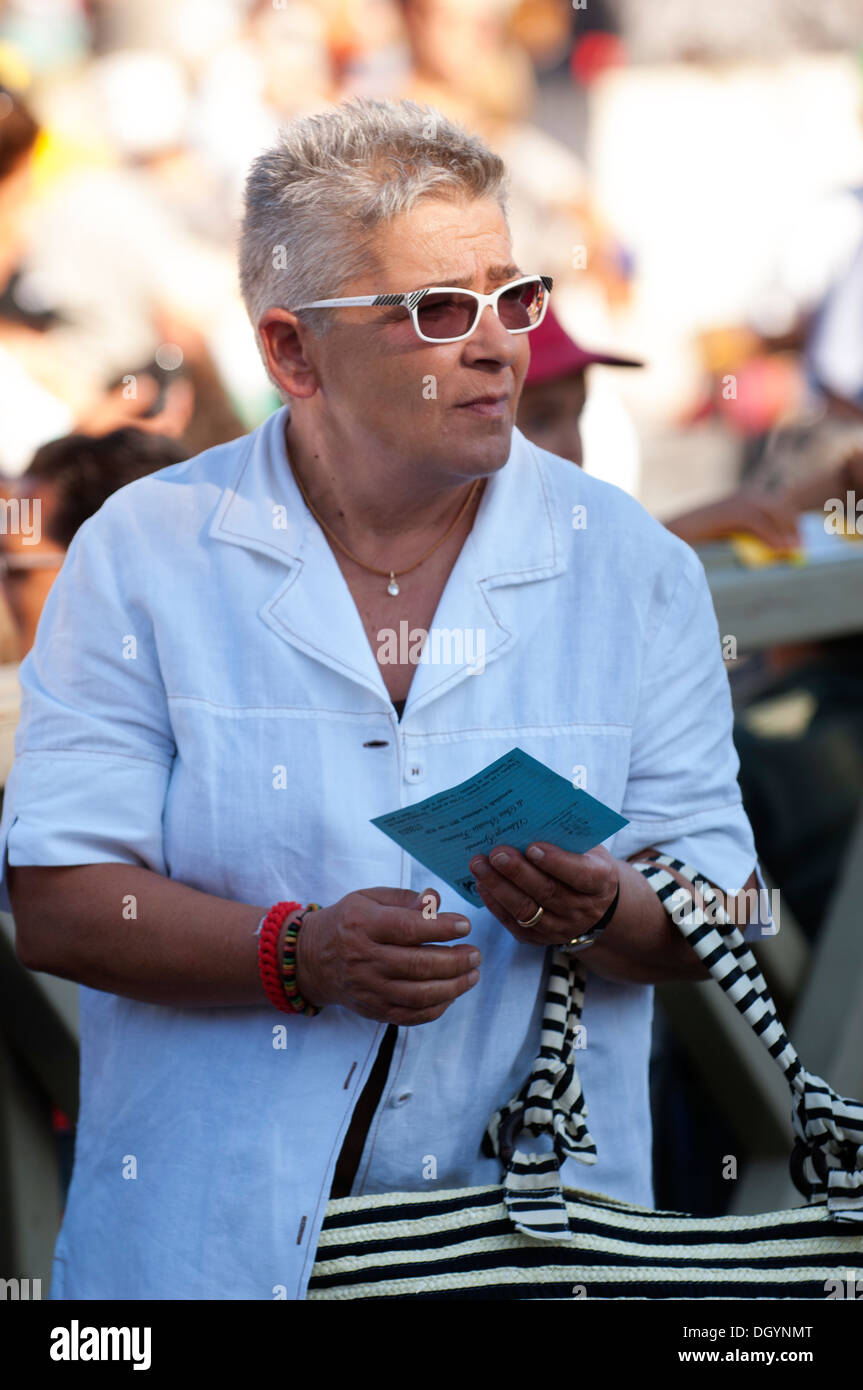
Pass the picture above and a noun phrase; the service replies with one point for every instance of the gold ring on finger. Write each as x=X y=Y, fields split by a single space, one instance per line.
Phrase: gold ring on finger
x=531 y=921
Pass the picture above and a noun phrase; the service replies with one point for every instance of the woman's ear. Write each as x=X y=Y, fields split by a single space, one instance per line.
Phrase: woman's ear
x=286 y=341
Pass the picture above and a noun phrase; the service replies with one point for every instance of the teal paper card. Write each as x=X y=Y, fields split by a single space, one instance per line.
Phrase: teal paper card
x=513 y=801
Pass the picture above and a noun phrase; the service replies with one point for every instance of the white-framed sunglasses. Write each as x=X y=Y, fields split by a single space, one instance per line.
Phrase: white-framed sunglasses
x=446 y=314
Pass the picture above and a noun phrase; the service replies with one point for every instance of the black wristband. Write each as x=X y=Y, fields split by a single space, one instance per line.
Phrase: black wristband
x=578 y=943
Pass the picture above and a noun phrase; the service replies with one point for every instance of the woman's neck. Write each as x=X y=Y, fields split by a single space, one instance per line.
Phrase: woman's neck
x=363 y=504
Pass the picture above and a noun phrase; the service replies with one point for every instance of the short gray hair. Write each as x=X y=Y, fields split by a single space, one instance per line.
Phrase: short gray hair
x=312 y=202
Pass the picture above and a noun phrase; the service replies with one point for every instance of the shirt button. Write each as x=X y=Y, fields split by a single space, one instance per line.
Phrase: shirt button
x=415 y=772
x=402 y=1099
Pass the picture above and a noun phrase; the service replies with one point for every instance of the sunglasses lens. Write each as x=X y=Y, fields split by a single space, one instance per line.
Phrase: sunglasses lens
x=521 y=307
x=446 y=315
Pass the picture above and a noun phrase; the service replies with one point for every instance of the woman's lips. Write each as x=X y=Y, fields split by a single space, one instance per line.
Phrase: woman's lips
x=493 y=407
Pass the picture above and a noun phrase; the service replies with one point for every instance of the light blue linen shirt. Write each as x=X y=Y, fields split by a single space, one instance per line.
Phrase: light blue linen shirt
x=202 y=700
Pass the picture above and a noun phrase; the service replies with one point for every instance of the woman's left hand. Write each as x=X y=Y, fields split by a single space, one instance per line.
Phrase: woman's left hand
x=574 y=890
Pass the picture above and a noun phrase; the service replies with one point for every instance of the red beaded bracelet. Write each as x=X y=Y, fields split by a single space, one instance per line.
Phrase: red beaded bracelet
x=268 y=963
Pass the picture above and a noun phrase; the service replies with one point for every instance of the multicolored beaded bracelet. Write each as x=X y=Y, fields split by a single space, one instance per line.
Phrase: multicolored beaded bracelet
x=289 y=965
x=268 y=963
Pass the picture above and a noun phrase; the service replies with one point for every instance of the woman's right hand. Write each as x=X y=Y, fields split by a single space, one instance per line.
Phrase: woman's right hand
x=370 y=952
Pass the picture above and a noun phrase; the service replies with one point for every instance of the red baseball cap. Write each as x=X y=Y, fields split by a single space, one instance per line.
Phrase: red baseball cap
x=553 y=353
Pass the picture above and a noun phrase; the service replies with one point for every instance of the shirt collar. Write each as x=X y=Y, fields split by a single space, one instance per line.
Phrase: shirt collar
x=517 y=538
x=264 y=510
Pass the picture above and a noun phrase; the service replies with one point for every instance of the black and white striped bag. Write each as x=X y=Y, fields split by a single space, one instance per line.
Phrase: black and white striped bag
x=534 y=1239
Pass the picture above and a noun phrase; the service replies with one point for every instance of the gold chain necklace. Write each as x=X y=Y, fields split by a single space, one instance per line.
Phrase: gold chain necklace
x=392 y=587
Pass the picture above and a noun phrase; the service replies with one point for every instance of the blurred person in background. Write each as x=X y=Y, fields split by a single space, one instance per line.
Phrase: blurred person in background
x=43 y=395
x=800 y=705
x=799 y=725
x=68 y=480
x=556 y=413
x=550 y=413
x=464 y=47
x=802 y=840
x=26 y=407
x=465 y=60
x=31 y=410
x=28 y=564
x=18 y=133
x=128 y=249
x=179 y=392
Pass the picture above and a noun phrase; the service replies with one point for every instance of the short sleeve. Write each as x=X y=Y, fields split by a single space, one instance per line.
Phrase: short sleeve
x=682 y=795
x=94 y=746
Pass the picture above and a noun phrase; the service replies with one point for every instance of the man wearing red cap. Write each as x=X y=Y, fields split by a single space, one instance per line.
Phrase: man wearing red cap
x=555 y=389
x=549 y=414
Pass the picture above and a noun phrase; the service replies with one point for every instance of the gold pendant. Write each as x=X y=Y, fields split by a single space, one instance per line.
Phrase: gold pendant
x=392 y=587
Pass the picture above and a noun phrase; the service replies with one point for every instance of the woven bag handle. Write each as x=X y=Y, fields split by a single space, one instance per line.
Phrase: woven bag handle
x=551 y=1102
x=827 y=1159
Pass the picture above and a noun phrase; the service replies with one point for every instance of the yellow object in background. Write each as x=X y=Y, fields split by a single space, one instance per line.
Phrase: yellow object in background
x=57 y=156
x=755 y=554
x=14 y=70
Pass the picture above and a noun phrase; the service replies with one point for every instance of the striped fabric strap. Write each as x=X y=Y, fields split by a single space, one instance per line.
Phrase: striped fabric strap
x=827 y=1161
x=551 y=1102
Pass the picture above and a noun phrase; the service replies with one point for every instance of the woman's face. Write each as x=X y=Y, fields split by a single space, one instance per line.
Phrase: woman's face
x=403 y=399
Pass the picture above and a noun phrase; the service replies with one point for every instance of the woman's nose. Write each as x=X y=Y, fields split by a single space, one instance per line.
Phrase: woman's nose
x=491 y=339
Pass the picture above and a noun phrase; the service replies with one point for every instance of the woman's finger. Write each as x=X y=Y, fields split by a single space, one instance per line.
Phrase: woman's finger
x=540 y=935
x=518 y=885
x=586 y=875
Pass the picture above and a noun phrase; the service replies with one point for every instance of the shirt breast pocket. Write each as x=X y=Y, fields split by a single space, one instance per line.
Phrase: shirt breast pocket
x=278 y=801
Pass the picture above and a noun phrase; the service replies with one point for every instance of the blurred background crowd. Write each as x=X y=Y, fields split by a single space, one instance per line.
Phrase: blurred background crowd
x=690 y=174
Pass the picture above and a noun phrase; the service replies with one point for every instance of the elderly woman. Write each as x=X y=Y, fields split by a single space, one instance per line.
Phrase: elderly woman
x=214 y=711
